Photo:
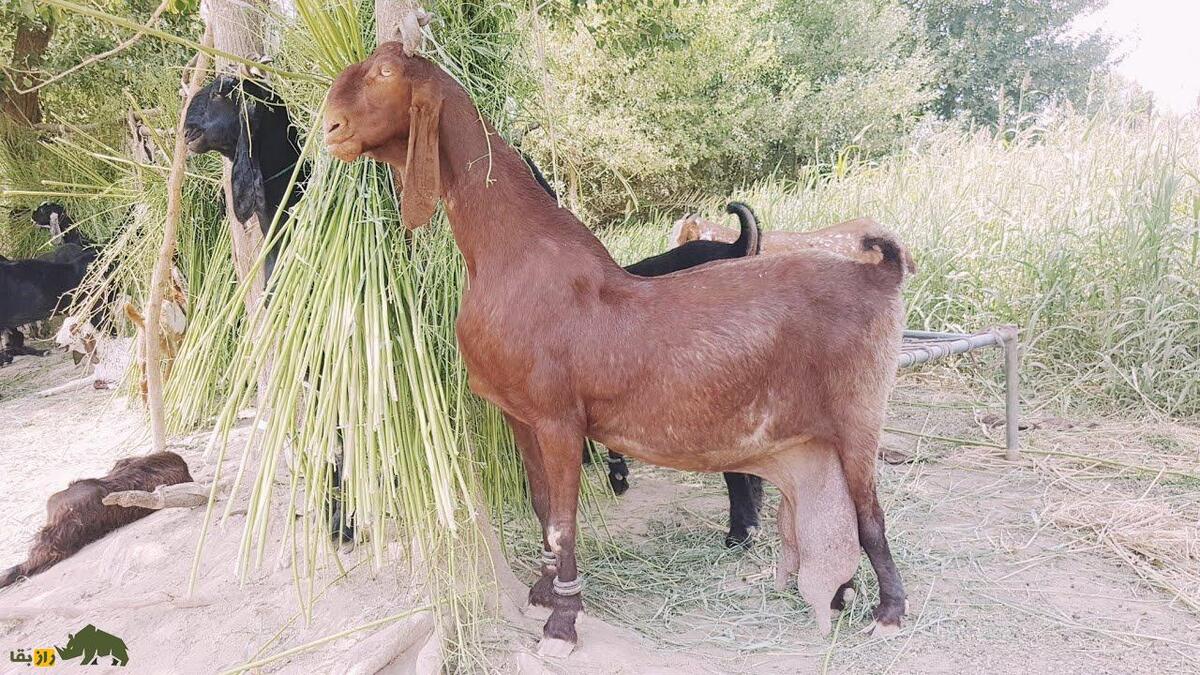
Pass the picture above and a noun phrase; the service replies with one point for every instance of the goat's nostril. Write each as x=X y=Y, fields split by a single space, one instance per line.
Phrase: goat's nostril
x=333 y=127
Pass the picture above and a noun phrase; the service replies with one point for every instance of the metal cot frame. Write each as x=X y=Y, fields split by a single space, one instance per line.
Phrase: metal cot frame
x=921 y=346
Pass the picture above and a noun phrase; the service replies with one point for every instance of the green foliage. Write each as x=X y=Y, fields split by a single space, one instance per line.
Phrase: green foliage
x=998 y=54
x=646 y=102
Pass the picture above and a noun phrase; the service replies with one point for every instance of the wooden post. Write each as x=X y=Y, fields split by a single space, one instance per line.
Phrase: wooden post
x=1012 y=398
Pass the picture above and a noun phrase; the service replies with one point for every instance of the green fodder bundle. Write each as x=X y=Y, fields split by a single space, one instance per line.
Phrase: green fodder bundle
x=1085 y=232
x=353 y=358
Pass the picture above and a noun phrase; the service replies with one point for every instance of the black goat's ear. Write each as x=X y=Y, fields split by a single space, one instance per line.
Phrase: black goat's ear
x=246 y=181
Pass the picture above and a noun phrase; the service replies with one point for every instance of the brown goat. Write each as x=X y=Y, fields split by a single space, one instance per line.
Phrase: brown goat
x=76 y=517
x=747 y=365
x=843 y=239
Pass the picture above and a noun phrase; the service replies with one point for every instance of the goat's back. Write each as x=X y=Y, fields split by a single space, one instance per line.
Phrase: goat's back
x=845 y=238
x=31 y=289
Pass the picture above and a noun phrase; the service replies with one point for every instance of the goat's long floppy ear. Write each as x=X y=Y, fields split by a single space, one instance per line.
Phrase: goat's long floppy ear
x=246 y=179
x=422 y=170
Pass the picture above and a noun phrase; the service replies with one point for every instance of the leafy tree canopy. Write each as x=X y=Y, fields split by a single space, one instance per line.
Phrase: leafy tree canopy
x=989 y=50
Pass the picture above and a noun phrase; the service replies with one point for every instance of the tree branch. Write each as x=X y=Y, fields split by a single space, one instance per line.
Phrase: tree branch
x=162 y=269
x=95 y=58
x=179 y=495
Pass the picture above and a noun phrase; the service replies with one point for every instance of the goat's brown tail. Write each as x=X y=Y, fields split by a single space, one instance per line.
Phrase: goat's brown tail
x=749 y=242
x=896 y=259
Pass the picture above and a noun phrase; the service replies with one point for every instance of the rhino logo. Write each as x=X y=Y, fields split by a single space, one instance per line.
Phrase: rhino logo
x=91 y=643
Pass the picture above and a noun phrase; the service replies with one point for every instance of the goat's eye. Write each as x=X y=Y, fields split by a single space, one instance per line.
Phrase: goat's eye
x=385 y=71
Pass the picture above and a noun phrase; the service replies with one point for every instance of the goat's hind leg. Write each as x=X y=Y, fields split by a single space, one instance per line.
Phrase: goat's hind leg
x=618 y=473
x=858 y=463
x=541 y=594
x=340 y=524
x=618 y=469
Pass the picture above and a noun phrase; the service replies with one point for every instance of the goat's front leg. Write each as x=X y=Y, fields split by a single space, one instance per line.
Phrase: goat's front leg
x=542 y=592
x=559 y=452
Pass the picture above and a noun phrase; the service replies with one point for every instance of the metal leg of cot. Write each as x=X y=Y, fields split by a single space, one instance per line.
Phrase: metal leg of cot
x=1012 y=402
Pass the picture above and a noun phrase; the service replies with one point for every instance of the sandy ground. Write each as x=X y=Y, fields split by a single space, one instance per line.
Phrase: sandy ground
x=1000 y=579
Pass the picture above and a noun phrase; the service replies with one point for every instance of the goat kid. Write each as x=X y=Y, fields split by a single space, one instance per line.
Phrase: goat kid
x=77 y=516
x=754 y=366
x=245 y=122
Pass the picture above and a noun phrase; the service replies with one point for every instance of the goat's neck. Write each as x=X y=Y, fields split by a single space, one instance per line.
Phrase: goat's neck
x=276 y=150
x=501 y=217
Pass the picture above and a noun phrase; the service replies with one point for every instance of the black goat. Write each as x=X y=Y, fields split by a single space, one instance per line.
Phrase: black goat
x=745 y=490
x=245 y=122
x=31 y=290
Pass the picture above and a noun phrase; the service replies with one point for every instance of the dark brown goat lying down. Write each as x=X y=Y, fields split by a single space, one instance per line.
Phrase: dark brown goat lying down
x=76 y=517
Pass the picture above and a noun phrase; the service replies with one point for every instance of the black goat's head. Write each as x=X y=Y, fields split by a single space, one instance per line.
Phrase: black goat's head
x=219 y=114
x=52 y=216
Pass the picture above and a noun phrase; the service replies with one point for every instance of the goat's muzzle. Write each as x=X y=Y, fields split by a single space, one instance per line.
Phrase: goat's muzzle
x=193 y=137
x=339 y=138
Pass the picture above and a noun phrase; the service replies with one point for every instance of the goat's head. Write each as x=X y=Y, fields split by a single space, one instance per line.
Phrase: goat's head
x=222 y=111
x=52 y=216
x=214 y=118
x=388 y=107
x=79 y=338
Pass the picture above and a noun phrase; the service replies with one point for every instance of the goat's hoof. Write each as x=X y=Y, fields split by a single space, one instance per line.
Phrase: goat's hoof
x=887 y=618
x=844 y=596
x=537 y=612
x=882 y=630
x=740 y=538
x=555 y=648
x=619 y=484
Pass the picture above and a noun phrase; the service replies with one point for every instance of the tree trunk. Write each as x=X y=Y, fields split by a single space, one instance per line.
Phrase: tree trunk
x=29 y=46
x=400 y=20
x=152 y=328
x=237 y=28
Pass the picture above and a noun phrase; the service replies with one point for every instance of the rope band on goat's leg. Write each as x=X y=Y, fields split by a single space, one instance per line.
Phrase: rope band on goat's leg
x=615 y=460
x=568 y=588
x=549 y=558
